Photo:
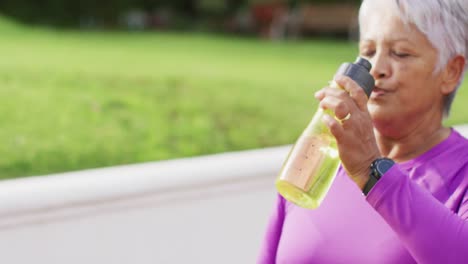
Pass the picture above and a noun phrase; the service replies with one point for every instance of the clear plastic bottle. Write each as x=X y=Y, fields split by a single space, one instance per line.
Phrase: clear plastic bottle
x=312 y=163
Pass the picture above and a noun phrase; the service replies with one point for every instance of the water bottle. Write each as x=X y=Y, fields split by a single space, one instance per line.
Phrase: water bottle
x=312 y=163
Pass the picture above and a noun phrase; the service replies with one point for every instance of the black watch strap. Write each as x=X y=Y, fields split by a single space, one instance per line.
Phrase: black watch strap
x=377 y=169
x=369 y=184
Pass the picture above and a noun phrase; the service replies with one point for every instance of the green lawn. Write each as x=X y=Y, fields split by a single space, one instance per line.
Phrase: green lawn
x=75 y=100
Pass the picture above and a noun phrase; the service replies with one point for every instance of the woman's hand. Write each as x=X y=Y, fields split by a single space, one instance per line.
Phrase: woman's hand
x=354 y=133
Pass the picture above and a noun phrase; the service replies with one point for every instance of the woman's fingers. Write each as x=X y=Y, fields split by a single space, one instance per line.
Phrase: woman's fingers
x=333 y=125
x=337 y=105
x=354 y=90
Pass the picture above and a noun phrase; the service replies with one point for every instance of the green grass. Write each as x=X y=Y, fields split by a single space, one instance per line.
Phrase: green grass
x=76 y=100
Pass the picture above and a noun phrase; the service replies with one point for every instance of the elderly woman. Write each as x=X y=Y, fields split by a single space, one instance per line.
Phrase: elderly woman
x=401 y=195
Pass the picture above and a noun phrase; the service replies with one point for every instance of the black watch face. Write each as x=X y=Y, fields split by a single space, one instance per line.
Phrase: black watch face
x=384 y=165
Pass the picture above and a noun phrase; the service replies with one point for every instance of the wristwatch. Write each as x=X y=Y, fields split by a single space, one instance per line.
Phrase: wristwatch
x=378 y=168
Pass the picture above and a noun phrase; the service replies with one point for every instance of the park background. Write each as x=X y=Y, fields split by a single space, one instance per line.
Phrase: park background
x=89 y=84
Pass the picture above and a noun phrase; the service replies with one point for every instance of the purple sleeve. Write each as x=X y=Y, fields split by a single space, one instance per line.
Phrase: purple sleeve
x=431 y=232
x=272 y=234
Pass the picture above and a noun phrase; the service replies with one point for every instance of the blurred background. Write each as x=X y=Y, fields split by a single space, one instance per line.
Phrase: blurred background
x=117 y=104
x=90 y=84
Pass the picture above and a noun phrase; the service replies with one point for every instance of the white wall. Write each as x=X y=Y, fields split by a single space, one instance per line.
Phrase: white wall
x=210 y=209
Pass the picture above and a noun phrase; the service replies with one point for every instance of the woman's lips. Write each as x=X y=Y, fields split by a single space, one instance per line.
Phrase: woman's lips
x=378 y=92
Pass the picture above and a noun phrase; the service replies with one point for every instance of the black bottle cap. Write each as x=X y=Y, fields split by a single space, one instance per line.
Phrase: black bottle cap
x=359 y=72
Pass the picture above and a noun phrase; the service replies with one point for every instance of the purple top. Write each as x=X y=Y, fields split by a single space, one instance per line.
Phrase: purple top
x=416 y=213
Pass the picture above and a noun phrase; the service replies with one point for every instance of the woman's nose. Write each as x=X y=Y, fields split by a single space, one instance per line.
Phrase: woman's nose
x=380 y=66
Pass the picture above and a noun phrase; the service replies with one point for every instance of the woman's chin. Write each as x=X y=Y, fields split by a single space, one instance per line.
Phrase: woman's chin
x=382 y=114
x=379 y=111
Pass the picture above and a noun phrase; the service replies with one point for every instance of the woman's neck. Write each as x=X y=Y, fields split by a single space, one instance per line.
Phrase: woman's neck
x=415 y=139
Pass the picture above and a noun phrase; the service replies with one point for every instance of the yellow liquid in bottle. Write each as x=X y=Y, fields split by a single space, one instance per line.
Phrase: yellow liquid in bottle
x=306 y=180
x=311 y=166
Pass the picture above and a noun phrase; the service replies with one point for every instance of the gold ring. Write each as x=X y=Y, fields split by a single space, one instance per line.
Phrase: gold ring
x=348 y=116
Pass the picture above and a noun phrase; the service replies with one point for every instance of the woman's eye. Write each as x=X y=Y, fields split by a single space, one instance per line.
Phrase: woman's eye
x=401 y=54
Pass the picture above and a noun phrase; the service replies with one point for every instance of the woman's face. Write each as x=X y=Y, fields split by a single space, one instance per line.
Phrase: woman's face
x=403 y=61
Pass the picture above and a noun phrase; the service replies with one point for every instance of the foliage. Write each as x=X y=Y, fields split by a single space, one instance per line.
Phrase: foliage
x=107 y=13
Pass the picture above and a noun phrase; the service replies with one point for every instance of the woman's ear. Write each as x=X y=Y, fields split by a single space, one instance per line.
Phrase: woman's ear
x=452 y=73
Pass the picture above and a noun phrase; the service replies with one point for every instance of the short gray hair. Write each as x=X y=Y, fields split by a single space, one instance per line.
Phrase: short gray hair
x=443 y=22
